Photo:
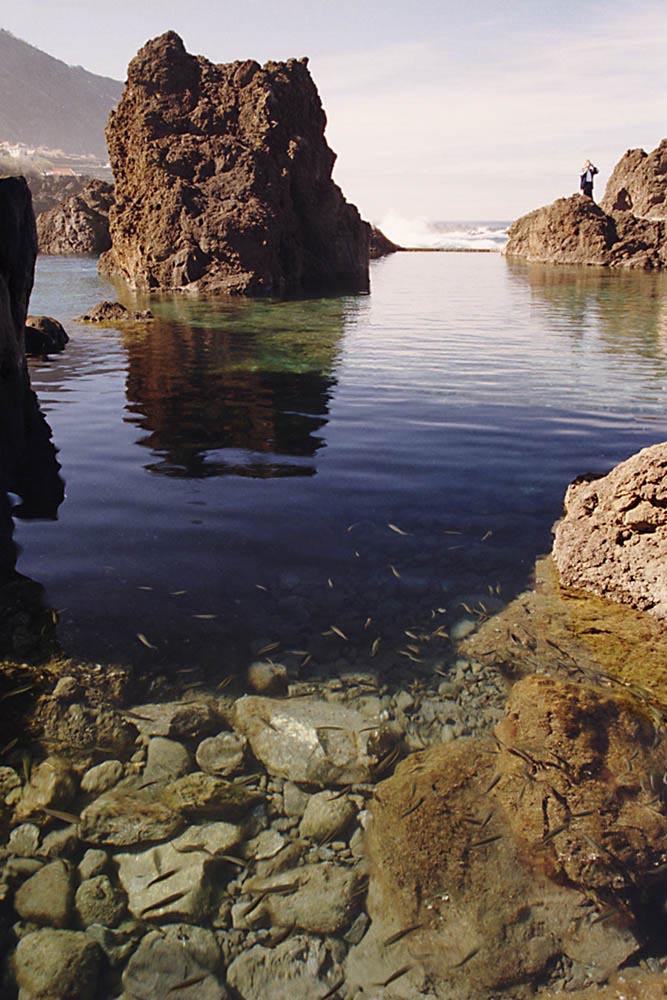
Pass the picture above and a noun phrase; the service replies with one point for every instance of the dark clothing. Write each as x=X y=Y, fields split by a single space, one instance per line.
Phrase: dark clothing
x=586 y=181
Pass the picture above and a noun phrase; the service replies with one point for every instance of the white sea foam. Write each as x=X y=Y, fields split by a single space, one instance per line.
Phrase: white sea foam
x=425 y=234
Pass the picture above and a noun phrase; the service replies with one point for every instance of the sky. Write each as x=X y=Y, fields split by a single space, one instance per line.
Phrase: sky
x=437 y=109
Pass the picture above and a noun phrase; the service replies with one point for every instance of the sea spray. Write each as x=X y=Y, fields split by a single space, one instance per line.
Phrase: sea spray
x=425 y=234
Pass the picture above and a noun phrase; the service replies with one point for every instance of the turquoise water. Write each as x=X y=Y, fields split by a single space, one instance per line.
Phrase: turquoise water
x=236 y=471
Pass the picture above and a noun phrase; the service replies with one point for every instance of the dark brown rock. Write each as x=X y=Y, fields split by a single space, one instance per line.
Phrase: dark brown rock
x=638 y=184
x=612 y=538
x=78 y=225
x=223 y=180
x=114 y=312
x=577 y=231
x=381 y=245
x=44 y=335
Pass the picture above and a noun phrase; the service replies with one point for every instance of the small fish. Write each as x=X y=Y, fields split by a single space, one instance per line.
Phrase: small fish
x=399 y=531
x=262 y=587
x=394 y=571
x=192 y=981
x=330 y=583
x=410 y=635
x=395 y=975
x=493 y=784
x=225 y=682
x=453 y=532
x=136 y=715
x=16 y=691
x=334 y=989
x=394 y=938
x=339 y=632
x=205 y=617
x=375 y=647
x=306 y=660
x=177 y=593
x=464 y=961
x=487 y=535
x=351 y=527
x=410 y=656
x=162 y=877
x=144 y=641
x=66 y=817
x=554 y=833
x=144 y=588
x=487 y=840
x=413 y=808
x=167 y=901
x=367 y=622
x=267 y=649
x=414 y=649
x=9 y=746
x=441 y=632
x=466 y=607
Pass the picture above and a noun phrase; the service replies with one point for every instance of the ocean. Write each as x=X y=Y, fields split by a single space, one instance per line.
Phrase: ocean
x=310 y=477
x=424 y=234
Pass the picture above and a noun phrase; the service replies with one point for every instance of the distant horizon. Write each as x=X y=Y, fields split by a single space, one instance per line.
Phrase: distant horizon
x=434 y=113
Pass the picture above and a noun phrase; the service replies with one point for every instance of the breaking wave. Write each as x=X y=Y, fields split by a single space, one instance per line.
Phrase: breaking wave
x=422 y=234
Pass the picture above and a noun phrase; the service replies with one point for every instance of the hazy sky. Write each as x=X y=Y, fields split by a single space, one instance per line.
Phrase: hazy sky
x=436 y=108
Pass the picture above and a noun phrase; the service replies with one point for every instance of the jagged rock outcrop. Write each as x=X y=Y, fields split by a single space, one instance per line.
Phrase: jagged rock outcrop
x=638 y=184
x=223 y=180
x=50 y=190
x=627 y=229
x=78 y=225
x=575 y=230
x=612 y=538
x=381 y=245
x=114 y=312
x=494 y=863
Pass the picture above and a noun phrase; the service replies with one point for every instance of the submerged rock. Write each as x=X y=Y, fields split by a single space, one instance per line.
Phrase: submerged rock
x=612 y=538
x=223 y=180
x=307 y=740
x=301 y=968
x=179 y=961
x=57 y=965
x=124 y=817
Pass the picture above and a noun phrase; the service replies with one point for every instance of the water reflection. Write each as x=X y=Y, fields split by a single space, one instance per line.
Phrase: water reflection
x=625 y=309
x=234 y=391
x=30 y=488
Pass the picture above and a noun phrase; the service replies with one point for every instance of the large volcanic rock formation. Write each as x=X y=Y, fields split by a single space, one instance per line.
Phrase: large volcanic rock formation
x=78 y=225
x=223 y=180
x=627 y=229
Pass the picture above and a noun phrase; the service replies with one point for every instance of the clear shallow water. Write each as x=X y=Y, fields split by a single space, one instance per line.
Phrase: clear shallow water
x=232 y=469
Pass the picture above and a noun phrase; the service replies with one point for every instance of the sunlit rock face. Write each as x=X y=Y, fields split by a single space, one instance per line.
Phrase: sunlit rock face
x=223 y=180
x=638 y=184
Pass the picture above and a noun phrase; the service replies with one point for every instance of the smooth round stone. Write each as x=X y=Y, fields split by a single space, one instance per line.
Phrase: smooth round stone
x=102 y=777
x=223 y=754
x=166 y=760
x=46 y=897
x=94 y=862
x=98 y=901
x=24 y=840
x=327 y=816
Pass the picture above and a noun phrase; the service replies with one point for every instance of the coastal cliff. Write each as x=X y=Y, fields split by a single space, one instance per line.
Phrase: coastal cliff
x=223 y=180
x=628 y=229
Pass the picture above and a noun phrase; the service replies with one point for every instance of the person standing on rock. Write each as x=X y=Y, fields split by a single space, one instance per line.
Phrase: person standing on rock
x=587 y=174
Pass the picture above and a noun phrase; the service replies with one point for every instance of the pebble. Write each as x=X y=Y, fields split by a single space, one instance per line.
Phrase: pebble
x=223 y=754
x=46 y=897
x=102 y=777
x=98 y=901
x=58 y=965
x=94 y=862
x=24 y=840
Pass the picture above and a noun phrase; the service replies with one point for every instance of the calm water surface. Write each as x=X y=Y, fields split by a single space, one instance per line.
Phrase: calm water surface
x=232 y=470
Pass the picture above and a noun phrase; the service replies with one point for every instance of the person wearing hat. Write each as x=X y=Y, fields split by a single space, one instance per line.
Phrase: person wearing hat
x=588 y=172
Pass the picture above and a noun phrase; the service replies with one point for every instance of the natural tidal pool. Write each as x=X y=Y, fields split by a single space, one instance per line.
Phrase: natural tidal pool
x=310 y=480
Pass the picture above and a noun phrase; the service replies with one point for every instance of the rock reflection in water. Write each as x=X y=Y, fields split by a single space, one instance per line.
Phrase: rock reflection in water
x=626 y=309
x=216 y=401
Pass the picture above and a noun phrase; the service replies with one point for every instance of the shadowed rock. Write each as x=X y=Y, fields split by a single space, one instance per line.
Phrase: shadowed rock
x=223 y=180
x=78 y=225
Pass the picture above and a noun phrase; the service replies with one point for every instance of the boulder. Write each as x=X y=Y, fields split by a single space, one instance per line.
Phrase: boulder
x=321 y=898
x=57 y=965
x=638 y=184
x=612 y=538
x=124 y=817
x=178 y=961
x=46 y=897
x=98 y=901
x=307 y=740
x=52 y=785
x=223 y=180
x=577 y=231
x=494 y=863
x=301 y=968
x=44 y=335
x=114 y=312
x=78 y=225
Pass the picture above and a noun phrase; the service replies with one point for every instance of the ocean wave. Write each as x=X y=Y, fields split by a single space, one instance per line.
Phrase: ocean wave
x=425 y=234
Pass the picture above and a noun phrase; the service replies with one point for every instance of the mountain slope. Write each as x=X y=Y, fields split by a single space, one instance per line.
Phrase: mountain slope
x=45 y=102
